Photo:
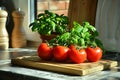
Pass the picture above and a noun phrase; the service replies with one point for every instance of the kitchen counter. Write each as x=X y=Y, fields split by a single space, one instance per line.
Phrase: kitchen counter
x=10 y=72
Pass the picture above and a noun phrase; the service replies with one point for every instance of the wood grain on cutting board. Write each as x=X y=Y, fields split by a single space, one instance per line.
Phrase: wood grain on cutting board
x=69 y=68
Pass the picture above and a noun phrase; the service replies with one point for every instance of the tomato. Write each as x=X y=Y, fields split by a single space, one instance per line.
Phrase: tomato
x=77 y=56
x=72 y=46
x=94 y=54
x=44 y=51
x=60 y=53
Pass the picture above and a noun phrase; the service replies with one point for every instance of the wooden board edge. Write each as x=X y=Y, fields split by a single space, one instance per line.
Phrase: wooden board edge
x=43 y=67
x=94 y=69
x=108 y=64
x=56 y=68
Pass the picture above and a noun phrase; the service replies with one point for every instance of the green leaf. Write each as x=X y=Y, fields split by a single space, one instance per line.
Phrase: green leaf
x=95 y=34
x=85 y=24
x=52 y=25
x=46 y=12
x=84 y=29
x=34 y=28
x=40 y=15
x=77 y=27
x=58 y=19
x=99 y=43
x=31 y=24
x=82 y=42
x=74 y=40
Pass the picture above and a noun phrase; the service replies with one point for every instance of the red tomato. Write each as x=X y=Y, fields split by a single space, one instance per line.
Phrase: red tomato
x=60 y=53
x=72 y=46
x=44 y=51
x=94 y=54
x=77 y=56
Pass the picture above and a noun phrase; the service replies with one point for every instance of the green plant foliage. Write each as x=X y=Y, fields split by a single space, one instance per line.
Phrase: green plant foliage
x=49 y=22
x=84 y=35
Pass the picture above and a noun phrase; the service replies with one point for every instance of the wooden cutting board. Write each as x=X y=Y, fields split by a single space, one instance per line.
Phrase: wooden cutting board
x=69 y=68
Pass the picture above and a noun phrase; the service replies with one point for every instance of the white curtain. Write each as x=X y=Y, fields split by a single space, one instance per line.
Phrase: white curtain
x=108 y=23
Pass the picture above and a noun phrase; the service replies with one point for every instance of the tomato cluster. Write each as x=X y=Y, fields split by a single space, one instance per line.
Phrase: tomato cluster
x=63 y=54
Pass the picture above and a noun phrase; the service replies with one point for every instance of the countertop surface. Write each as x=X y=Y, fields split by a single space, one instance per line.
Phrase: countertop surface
x=10 y=72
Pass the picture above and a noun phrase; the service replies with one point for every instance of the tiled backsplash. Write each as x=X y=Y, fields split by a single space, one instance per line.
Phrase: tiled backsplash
x=57 y=6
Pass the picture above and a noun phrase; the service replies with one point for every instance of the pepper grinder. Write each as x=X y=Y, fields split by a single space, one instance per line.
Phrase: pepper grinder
x=18 y=36
x=4 y=40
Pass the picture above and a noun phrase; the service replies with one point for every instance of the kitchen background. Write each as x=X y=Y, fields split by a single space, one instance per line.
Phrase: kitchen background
x=107 y=19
